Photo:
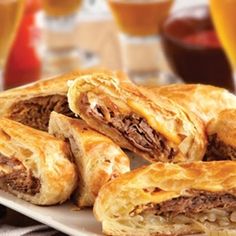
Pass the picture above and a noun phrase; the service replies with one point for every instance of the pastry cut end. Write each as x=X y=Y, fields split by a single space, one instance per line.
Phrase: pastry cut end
x=98 y=158
x=35 y=112
x=221 y=133
x=170 y=199
x=34 y=165
x=156 y=131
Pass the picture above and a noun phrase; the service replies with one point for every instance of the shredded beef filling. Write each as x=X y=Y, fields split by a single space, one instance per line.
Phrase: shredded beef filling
x=35 y=112
x=133 y=127
x=218 y=150
x=17 y=177
x=199 y=202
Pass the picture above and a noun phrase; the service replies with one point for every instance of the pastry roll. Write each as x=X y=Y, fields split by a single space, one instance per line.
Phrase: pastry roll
x=204 y=100
x=221 y=136
x=157 y=131
x=170 y=199
x=98 y=159
x=32 y=104
x=34 y=165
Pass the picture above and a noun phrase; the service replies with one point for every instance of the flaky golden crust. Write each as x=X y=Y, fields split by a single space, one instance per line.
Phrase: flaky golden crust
x=52 y=86
x=224 y=126
x=221 y=132
x=204 y=100
x=12 y=99
x=178 y=128
x=44 y=156
x=98 y=159
x=158 y=183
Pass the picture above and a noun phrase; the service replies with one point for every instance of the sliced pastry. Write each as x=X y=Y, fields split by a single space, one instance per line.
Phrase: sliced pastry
x=157 y=131
x=34 y=165
x=204 y=100
x=170 y=199
x=98 y=159
x=221 y=136
x=32 y=104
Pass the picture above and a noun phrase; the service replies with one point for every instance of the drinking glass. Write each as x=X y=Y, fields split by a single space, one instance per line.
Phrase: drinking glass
x=223 y=13
x=139 y=23
x=10 y=15
x=61 y=52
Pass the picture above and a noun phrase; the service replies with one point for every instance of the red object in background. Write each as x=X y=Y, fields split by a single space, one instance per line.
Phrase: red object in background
x=207 y=38
x=23 y=65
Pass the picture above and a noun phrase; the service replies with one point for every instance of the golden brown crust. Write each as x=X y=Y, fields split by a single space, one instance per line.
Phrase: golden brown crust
x=121 y=196
x=11 y=100
x=44 y=156
x=98 y=159
x=181 y=131
x=204 y=100
x=221 y=132
x=224 y=126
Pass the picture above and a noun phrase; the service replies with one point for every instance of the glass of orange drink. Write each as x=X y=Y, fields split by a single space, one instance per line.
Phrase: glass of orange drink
x=61 y=8
x=10 y=16
x=139 y=23
x=223 y=13
x=60 y=45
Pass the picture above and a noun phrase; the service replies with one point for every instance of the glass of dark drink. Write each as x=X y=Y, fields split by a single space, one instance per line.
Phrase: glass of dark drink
x=194 y=50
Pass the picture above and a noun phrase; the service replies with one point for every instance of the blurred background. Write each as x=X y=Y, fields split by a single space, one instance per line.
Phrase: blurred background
x=155 y=42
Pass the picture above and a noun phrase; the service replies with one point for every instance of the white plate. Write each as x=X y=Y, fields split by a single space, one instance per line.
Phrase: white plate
x=63 y=217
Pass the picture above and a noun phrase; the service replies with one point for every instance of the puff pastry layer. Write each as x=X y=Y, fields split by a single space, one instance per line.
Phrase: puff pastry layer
x=170 y=199
x=160 y=130
x=222 y=135
x=32 y=104
x=204 y=100
x=34 y=165
x=98 y=159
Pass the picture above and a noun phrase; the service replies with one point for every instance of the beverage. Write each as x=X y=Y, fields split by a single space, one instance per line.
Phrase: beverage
x=60 y=50
x=60 y=7
x=140 y=17
x=223 y=12
x=10 y=15
x=23 y=59
x=204 y=38
x=193 y=49
x=139 y=23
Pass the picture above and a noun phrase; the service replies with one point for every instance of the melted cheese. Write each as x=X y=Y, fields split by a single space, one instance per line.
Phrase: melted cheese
x=153 y=122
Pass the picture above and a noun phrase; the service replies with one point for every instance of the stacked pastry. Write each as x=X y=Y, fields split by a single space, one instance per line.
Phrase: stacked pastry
x=217 y=109
x=74 y=161
x=97 y=158
x=176 y=129
x=159 y=130
x=161 y=199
